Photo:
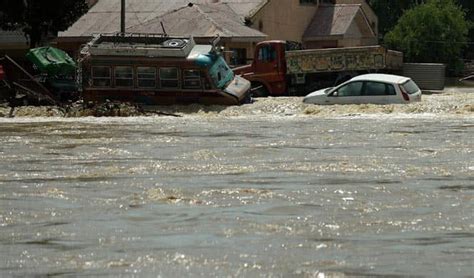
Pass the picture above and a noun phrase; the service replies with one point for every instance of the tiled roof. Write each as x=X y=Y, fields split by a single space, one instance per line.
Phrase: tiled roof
x=104 y=17
x=332 y=20
x=207 y=20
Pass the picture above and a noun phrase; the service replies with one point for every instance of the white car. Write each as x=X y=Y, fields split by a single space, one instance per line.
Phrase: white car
x=369 y=88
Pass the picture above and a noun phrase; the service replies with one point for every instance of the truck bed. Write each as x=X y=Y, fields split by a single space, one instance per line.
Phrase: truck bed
x=366 y=58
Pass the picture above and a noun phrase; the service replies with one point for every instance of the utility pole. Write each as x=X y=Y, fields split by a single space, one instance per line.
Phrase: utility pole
x=122 y=17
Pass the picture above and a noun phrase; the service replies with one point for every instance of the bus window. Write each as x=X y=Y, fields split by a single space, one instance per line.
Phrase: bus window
x=101 y=76
x=169 y=77
x=191 y=79
x=146 y=77
x=124 y=76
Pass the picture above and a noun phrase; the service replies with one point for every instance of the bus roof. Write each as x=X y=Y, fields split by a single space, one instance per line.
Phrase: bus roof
x=139 y=46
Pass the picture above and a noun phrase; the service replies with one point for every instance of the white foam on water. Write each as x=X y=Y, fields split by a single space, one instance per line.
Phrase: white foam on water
x=450 y=104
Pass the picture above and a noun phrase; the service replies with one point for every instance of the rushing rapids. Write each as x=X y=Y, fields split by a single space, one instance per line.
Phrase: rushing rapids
x=453 y=102
x=275 y=188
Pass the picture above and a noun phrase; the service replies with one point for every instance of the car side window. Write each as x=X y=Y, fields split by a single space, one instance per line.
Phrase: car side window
x=350 y=89
x=379 y=89
x=375 y=89
x=391 y=90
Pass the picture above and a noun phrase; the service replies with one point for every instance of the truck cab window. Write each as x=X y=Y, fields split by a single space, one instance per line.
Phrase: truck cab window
x=101 y=76
x=169 y=77
x=124 y=76
x=266 y=53
x=220 y=73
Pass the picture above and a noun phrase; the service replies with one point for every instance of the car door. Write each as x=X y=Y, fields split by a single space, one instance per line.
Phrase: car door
x=348 y=93
x=378 y=93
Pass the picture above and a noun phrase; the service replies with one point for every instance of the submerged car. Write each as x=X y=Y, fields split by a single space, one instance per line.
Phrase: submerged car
x=369 y=88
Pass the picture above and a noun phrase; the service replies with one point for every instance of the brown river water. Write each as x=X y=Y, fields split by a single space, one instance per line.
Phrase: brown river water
x=276 y=188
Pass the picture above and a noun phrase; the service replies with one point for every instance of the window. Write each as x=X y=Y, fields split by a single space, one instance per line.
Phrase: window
x=375 y=89
x=239 y=56
x=391 y=90
x=379 y=89
x=191 y=79
x=124 y=76
x=410 y=87
x=146 y=77
x=266 y=53
x=169 y=78
x=314 y=2
x=350 y=89
x=101 y=76
x=220 y=73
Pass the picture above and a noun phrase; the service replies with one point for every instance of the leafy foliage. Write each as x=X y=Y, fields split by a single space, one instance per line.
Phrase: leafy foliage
x=38 y=18
x=389 y=11
x=432 y=32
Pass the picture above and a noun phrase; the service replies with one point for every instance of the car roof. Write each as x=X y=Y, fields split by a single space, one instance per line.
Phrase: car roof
x=388 y=78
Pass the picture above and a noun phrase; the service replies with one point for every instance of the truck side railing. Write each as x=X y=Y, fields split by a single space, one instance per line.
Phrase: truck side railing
x=23 y=82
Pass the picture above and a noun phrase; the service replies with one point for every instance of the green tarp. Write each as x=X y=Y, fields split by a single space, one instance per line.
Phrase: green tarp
x=52 y=61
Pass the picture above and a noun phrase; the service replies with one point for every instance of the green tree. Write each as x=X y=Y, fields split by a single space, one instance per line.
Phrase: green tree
x=432 y=32
x=468 y=6
x=38 y=18
x=389 y=11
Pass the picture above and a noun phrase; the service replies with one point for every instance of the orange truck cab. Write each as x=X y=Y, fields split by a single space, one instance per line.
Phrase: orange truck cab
x=267 y=73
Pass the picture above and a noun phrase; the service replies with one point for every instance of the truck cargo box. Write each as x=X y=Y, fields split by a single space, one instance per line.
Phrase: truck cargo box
x=370 y=58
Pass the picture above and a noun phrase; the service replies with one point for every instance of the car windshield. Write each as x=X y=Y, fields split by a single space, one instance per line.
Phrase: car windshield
x=220 y=73
x=410 y=87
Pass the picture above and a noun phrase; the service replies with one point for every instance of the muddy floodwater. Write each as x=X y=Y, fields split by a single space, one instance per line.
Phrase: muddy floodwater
x=276 y=188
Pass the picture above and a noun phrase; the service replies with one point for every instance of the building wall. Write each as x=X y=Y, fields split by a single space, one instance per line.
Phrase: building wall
x=288 y=19
x=284 y=19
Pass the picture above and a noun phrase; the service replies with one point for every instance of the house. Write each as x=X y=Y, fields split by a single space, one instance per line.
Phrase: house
x=240 y=23
x=317 y=23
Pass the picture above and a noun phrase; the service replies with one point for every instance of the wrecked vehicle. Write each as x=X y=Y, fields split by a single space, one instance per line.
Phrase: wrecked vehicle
x=57 y=70
x=158 y=70
x=50 y=80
